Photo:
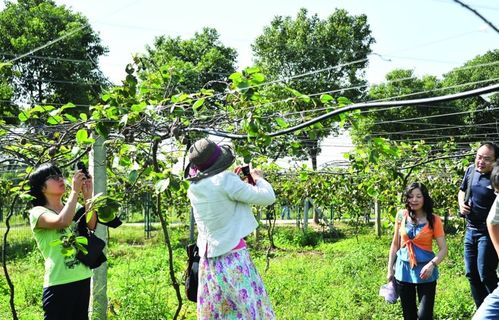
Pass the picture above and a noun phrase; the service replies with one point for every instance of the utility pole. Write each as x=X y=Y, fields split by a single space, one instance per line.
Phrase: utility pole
x=98 y=300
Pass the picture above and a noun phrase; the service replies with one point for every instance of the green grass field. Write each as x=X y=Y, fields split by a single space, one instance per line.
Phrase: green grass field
x=310 y=276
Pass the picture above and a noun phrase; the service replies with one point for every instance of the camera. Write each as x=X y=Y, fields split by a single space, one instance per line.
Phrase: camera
x=81 y=166
x=245 y=174
x=245 y=171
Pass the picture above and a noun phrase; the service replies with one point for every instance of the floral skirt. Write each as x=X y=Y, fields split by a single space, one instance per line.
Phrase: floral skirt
x=231 y=288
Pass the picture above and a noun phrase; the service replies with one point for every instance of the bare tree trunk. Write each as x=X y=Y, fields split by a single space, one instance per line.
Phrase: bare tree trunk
x=377 y=214
x=306 y=207
x=164 y=227
x=4 y=259
x=314 y=162
x=98 y=300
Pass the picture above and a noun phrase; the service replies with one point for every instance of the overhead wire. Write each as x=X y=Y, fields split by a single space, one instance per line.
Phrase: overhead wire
x=364 y=111
x=358 y=106
x=432 y=129
x=47 y=44
x=298 y=76
x=436 y=115
x=389 y=98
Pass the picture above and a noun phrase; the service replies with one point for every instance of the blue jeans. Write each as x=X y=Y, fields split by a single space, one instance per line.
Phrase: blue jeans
x=285 y=212
x=489 y=310
x=480 y=263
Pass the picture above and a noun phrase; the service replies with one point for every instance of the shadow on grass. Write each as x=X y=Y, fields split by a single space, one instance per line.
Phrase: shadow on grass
x=18 y=249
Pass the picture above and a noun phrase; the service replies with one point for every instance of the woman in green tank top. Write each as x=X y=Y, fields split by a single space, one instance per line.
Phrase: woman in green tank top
x=66 y=288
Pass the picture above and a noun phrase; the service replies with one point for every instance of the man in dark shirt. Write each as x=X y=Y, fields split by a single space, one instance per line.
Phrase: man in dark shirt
x=480 y=258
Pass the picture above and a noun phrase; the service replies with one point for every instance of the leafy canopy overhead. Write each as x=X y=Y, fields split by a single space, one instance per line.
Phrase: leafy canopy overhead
x=66 y=70
x=332 y=51
x=189 y=65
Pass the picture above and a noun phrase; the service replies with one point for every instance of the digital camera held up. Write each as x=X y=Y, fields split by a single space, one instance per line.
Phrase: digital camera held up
x=81 y=166
x=245 y=173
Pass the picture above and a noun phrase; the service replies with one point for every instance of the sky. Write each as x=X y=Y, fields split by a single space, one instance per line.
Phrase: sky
x=429 y=36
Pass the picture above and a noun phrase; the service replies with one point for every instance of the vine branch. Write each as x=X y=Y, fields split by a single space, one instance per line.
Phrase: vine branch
x=478 y=15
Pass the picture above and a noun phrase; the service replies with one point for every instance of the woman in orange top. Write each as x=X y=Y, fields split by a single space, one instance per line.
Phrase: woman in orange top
x=411 y=262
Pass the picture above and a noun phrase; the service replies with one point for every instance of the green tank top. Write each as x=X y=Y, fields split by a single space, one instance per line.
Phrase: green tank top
x=58 y=268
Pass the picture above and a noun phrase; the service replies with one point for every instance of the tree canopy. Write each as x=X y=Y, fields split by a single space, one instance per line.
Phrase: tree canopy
x=332 y=52
x=189 y=65
x=462 y=121
x=63 y=71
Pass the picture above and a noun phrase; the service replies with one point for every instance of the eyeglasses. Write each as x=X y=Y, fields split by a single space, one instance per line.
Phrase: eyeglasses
x=55 y=177
x=484 y=158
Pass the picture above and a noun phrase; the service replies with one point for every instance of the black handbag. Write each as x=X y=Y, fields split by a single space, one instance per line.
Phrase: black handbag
x=95 y=247
x=191 y=273
x=95 y=251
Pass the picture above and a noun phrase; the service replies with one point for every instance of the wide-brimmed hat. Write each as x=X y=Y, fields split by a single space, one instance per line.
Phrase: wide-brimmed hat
x=207 y=159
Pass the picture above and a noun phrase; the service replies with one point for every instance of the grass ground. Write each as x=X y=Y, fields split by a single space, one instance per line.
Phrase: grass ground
x=310 y=276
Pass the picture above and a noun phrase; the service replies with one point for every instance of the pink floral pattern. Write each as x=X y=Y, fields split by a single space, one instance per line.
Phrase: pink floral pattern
x=231 y=288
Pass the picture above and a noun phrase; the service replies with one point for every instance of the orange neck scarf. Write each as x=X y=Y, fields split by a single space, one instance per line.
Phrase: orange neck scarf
x=422 y=240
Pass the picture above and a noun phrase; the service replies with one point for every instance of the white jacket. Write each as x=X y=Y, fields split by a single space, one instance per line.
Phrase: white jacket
x=221 y=206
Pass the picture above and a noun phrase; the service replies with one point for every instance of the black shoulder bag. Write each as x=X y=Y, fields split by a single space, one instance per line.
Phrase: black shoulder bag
x=95 y=247
x=191 y=273
x=467 y=194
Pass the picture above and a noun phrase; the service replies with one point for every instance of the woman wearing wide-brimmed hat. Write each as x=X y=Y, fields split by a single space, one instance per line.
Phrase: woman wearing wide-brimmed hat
x=229 y=284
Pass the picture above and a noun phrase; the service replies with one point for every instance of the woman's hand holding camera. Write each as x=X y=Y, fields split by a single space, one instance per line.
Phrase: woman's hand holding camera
x=249 y=175
x=256 y=174
x=77 y=183
x=87 y=187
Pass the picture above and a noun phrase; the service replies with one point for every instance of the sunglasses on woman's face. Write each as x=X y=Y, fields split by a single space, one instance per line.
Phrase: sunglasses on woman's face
x=55 y=177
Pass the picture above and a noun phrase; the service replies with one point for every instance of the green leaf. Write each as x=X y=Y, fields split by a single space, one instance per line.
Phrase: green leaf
x=81 y=248
x=23 y=116
x=281 y=122
x=236 y=76
x=139 y=107
x=258 y=77
x=342 y=101
x=372 y=192
x=296 y=93
x=81 y=136
x=132 y=177
x=303 y=176
x=55 y=120
x=70 y=117
x=102 y=130
x=251 y=70
x=305 y=98
x=198 y=104
x=247 y=158
x=68 y=252
x=325 y=98
x=42 y=109
x=68 y=106
x=82 y=240
x=83 y=116
x=89 y=216
x=106 y=209
x=162 y=185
